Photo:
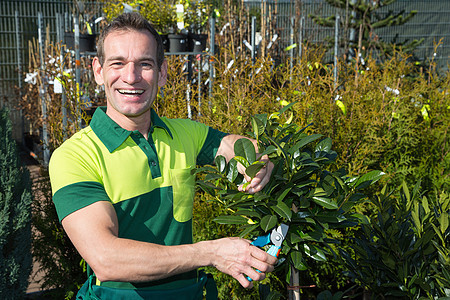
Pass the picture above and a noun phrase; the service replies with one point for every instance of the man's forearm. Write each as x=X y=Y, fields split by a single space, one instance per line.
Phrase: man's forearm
x=134 y=261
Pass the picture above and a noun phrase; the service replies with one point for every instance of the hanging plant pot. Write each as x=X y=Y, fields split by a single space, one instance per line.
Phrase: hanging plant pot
x=87 y=41
x=177 y=43
x=197 y=42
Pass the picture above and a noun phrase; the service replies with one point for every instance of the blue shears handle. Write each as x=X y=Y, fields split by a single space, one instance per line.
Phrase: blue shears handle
x=274 y=251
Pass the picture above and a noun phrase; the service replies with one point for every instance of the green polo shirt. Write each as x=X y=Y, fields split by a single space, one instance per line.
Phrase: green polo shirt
x=149 y=182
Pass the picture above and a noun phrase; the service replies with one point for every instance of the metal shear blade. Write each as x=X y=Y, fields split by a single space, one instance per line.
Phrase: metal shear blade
x=279 y=234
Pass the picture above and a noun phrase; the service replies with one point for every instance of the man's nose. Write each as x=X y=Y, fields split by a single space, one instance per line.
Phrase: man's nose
x=131 y=74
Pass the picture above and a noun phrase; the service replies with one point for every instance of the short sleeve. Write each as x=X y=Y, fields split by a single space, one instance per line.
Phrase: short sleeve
x=74 y=179
x=210 y=147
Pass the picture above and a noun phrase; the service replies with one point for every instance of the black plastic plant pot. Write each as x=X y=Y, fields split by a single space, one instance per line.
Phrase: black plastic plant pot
x=177 y=43
x=197 y=42
x=87 y=41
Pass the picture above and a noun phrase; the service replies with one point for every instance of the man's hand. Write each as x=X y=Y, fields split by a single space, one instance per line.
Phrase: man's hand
x=238 y=258
x=261 y=178
x=257 y=183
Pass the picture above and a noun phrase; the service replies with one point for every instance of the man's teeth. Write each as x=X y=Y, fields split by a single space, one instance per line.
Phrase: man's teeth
x=131 y=92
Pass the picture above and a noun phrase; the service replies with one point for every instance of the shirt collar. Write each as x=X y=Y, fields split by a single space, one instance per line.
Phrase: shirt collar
x=111 y=134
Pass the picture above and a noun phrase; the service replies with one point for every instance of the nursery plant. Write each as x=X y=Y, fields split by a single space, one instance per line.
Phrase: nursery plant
x=15 y=216
x=404 y=251
x=306 y=191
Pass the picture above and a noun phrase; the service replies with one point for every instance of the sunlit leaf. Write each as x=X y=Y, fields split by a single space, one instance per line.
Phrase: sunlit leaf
x=368 y=178
x=324 y=145
x=232 y=172
x=315 y=252
x=444 y=221
x=258 y=126
x=341 y=105
x=221 y=163
x=245 y=148
x=325 y=202
x=242 y=161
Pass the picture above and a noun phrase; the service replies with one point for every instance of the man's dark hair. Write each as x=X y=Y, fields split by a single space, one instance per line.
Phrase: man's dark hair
x=130 y=21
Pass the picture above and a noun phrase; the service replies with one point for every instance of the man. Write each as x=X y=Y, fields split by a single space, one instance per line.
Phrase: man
x=123 y=187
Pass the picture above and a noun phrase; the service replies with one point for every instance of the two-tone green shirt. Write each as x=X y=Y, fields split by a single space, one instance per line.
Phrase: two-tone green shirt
x=149 y=182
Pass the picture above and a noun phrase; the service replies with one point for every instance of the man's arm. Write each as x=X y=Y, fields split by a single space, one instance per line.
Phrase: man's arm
x=94 y=232
x=226 y=149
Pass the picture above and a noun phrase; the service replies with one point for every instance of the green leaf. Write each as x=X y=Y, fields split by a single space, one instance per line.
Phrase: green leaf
x=254 y=168
x=274 y=295
x=368 y=179
x=315 y=253
x=269 y=150
x=303 y=142
x=443 y=220
x=330 y=217
x=283 y=195
x=212 y=177
x=207 y=187
x=245 y=148
x=242 y=161
x=247 y=229
x=232 y=173
x=221 y=163
x=258 y=127
x=282 y=210
x=268 y=222
x=341 y=105
x=231 y=220
x=325 y=202
x=298 y=261
x=247 y=213
x=285 y=108
x=324 y=145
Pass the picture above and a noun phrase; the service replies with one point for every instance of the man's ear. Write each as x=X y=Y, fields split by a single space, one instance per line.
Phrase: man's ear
x=163 y=74
x=97 y=68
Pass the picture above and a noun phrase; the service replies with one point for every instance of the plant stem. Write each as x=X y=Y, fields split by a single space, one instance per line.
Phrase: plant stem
x=295 y=283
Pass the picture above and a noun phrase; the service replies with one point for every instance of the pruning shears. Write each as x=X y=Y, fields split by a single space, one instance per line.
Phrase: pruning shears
x=275 y=238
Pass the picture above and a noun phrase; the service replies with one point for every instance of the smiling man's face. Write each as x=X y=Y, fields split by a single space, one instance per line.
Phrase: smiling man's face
x=129 y=73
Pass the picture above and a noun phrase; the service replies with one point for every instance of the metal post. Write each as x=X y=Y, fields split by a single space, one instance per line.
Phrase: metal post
x=60 y=33
x=352 y=36
x=200 y=61
x=336 y=49
x=300 y=37
x=76 y=27
x=291 y=42
x=19 y=57
x=212 y=50
x=19 y=69
x=253 y=40
x=188 y=87
x=43 y=93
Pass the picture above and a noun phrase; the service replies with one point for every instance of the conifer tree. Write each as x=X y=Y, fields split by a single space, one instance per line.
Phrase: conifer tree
x=360 y=19
x=15 y=216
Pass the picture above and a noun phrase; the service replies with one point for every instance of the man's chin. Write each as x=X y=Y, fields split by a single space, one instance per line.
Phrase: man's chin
x=130 y=112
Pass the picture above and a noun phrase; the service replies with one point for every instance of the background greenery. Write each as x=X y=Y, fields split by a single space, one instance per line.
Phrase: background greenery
x=389 y=115
x=15 y=216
